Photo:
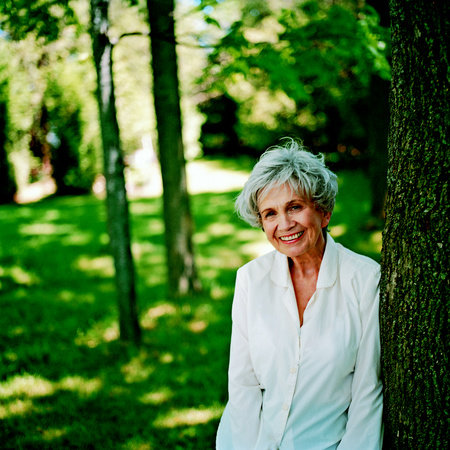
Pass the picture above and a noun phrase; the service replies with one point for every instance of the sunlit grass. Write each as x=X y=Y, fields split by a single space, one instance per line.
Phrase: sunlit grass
x=188 y=416
x=66 y=381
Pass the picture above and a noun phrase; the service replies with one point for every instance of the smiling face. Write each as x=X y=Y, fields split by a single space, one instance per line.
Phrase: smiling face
x=292 y=224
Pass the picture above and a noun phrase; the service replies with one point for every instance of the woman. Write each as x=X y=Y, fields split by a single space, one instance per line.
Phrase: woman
x=304 y=367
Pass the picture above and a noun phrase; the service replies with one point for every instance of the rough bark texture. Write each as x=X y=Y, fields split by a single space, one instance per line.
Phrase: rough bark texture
x=414 y=284
x=182 y=274
x=116 y=200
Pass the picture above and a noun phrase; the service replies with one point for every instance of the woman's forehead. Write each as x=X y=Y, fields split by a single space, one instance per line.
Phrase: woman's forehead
x=283 y=192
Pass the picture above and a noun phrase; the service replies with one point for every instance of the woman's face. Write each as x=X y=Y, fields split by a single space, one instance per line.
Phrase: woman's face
x=292 y=224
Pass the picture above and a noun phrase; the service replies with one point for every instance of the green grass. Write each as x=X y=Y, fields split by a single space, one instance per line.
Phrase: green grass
x=66 y=381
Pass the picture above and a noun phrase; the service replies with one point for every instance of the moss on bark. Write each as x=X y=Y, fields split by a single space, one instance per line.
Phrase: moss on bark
x=414 y=284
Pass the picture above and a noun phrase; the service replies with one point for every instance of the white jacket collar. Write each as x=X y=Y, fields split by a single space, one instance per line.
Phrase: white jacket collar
x=328 y=268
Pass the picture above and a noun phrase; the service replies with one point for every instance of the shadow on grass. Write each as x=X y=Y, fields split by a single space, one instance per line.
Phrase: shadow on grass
x=66 y=381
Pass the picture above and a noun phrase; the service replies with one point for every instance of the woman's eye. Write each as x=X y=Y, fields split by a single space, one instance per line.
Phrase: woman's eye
x=268 y=214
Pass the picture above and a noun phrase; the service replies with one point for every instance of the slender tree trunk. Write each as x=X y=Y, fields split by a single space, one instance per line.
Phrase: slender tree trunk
x=116 y=200
x=8 y=185
x=182 y=274
x=378 y=143
x=414 y=285
x=378 y=125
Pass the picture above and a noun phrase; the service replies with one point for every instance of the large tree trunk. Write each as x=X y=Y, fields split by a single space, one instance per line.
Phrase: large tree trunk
x=116 y=200
x=182 y=274
x=414 y=283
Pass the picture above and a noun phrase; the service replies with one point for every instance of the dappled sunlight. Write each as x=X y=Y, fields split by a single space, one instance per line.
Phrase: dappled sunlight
x=140 y=207
x=257 y=248
x=100 y=333
x=156 y=397
x=69 y=296
x=137 y=370
x=150 y=317
x=153 y=253
x=203 y=177
x=161 y=310
x=153 y=225
x=218 y=291
x=111 y=333
x=338 y=230
x=64 y=368
x=26 y=385
x=166 y=358
x=17 y=394
x=372 y=244
x=197 y=326
x=188 y=416
x=78 y=239
x=135 y=443
x=98 y=266
x=52 y=214
x=224 y=258
x=17 y=407
x=47 y=229
x=50 y=434
x=214 y=230
x=84 y=387
x=18 y=275
x=32 y=386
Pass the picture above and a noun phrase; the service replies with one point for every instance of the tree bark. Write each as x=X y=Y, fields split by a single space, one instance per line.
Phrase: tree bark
x=182 y=275
x=8 y=184
x=116 y=199
x=414 y=285
x=378 y=116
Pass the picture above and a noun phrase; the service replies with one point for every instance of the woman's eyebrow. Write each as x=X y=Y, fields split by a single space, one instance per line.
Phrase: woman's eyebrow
x=266 y=209
x=295 y=201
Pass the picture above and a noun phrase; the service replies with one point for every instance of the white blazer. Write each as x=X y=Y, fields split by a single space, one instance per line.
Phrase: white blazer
x=313 y=387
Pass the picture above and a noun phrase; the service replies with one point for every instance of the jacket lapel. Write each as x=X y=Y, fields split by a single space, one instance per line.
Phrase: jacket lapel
x=281 y=277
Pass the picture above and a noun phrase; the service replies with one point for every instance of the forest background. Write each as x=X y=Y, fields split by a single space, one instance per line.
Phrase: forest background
x=250 y=73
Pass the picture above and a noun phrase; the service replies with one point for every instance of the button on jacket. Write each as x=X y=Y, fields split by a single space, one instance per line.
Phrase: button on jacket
x=313 y=387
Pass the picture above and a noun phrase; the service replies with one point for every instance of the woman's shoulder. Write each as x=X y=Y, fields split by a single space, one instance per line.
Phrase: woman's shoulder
x=260 y=265
x=352 y=262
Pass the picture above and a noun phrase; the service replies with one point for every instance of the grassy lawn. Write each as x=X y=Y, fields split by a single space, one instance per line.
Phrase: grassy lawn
x=65 y=379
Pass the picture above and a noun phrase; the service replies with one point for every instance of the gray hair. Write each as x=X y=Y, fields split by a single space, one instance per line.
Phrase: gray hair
x=291 y=164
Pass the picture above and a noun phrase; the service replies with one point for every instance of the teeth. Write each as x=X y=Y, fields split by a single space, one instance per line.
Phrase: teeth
x=291 y=237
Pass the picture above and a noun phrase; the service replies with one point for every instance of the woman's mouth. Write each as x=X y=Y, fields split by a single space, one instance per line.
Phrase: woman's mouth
x=291 y=237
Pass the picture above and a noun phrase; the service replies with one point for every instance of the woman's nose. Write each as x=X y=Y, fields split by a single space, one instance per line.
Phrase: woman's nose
x=285 y=222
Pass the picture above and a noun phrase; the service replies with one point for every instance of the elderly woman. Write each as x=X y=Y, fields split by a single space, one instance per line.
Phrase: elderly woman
x=304 y=367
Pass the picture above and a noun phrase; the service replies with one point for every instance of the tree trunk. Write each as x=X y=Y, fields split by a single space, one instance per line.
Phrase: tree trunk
x=378 y=125
x=414 y=285
x=8 y=185
x=378 y=142
x=116 y=200
x=182 y=274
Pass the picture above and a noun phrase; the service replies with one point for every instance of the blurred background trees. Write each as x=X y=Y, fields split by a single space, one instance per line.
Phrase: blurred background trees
x=8 y=188
x=113 y=163
x=249 y=73
x=182 y=272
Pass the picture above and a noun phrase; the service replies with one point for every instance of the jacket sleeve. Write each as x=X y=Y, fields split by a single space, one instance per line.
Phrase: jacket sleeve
x=364 y=426
x=240 y=422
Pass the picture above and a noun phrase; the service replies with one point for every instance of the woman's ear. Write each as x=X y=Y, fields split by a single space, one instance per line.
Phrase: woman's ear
x=326 y=219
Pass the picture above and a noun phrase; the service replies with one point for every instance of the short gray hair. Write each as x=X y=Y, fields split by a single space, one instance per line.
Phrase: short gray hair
x=291 y=164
